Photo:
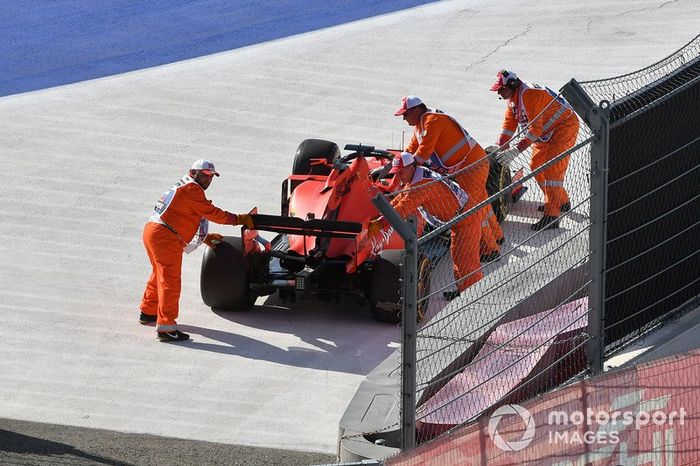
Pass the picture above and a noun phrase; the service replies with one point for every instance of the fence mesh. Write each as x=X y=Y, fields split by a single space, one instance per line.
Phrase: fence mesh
x=499 y=321
x=520 y=329
x=653 y=200
x=634 y=91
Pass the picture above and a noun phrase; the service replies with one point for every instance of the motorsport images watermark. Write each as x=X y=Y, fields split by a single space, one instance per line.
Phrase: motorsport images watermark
x=602 y=427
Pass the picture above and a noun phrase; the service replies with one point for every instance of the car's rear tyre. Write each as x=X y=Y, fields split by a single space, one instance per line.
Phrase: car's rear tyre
x=314 y=149
x=499 y=178
x=224 y=279
x=384 y=287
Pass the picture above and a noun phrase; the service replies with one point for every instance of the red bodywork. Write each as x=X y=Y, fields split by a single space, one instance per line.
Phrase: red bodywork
x=344 y=195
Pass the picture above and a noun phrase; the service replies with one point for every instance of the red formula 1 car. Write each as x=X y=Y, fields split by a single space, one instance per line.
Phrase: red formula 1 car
x=322 y=247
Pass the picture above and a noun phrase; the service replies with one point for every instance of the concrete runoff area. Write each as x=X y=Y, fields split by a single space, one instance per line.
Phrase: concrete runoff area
x=85 y=163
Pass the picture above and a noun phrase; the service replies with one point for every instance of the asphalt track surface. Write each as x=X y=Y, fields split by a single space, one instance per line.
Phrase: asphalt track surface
x=25 y=443
x=48 y=43
x=85 y=162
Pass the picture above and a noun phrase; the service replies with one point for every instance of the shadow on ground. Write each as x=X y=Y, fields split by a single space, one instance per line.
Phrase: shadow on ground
x=339 y=337
x=24 y=442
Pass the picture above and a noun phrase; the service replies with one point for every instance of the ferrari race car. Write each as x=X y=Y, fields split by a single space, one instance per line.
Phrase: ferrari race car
x=322 y=247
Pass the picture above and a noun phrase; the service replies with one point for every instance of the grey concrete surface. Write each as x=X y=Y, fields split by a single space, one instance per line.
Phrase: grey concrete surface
x=84 y=164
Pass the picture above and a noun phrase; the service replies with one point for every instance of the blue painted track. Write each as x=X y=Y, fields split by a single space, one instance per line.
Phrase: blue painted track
x=45 y=43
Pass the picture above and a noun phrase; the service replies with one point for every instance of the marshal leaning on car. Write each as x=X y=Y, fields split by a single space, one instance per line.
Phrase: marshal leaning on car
x=179 y=214
x=444 y=199
x=441 y=142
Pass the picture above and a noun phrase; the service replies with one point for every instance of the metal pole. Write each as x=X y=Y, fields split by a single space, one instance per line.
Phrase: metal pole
x=599 y=121
x=409 y=319
x=579 y=100
x=597 y=118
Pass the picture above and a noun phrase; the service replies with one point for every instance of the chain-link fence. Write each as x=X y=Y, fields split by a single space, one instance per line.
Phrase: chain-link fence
x=652 y=261
x=514 y=325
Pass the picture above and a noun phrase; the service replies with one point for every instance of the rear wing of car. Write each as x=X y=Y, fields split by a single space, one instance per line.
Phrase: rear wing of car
x=313 y=227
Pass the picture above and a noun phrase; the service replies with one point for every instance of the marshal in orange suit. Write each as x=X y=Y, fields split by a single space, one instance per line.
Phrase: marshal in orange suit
x=179 y=223
x=439 y=141
x=550 y=126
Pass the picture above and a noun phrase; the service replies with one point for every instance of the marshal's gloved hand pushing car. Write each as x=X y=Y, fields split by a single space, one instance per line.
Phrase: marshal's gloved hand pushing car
x=506 y=157
x=246 y=220
x=213 y=239
x=502 y=156
x=376 y=225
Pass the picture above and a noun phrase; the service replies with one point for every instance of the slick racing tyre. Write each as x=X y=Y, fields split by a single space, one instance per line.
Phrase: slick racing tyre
x=225 y=276
x=384 y=287
x=314 y=149
x=499 y=178
x=385 y=292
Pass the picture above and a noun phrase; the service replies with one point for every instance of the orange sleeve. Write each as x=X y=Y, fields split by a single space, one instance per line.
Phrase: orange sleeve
x=534 y=101
x=432 y=128
x=413 y=145
x=510 y=124
x=205 y=208
x=408 y=202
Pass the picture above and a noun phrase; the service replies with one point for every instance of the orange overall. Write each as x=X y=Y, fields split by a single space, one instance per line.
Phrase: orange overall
x=553 y=129
x=441 y=140
x=444 y=199
x=173 y=223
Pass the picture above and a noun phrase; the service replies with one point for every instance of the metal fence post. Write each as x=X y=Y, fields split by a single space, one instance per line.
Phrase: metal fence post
x=599 y=120
x=409 y=319
x=579 y=100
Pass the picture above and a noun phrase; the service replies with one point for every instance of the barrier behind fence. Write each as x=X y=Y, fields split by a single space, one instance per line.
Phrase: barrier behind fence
x=652 y=213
